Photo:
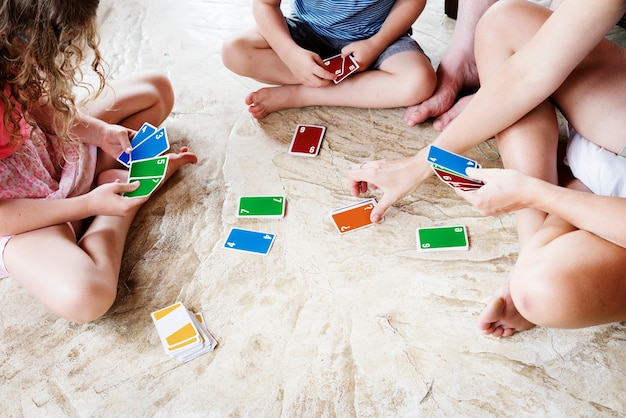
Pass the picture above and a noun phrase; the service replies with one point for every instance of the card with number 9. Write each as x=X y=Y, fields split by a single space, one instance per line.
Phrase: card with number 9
x=307 y=140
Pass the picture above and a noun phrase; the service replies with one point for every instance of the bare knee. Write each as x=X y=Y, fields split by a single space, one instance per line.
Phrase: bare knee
x=421 y=84
x=237 y=54
x=505 y=18
x=230 y=54
x=160 y=90
x=541 y=295
x=85 y=300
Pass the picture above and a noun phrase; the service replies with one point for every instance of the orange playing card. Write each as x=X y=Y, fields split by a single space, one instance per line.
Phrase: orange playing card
x=353 y=217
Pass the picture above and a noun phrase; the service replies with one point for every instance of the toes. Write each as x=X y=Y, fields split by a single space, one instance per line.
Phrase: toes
x=492 y=313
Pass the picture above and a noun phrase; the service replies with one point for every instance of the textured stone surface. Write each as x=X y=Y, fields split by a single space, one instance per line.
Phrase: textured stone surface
x=324 y=325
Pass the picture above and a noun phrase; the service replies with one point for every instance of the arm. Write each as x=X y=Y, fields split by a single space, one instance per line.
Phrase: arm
x=509 y=190
x=23 y=215
x=533 y=72
x=113 y=139
x=523 y=81
x=306 y=66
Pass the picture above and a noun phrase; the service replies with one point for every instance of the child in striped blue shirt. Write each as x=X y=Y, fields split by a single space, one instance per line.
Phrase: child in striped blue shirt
x=289 y=52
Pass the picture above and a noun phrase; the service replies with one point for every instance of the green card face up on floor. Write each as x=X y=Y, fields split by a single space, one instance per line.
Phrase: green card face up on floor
x=444 y=238
x=261 y=207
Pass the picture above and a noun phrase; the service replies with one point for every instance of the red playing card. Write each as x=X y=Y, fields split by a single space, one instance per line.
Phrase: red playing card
x=307 y=140
x=341 y=67
x=457 y=181
x=353 y=217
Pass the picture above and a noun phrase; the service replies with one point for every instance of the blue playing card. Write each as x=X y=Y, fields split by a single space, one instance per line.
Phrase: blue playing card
x=450 y=160
x=154 y=145
x=143 y=133
x=249 y=241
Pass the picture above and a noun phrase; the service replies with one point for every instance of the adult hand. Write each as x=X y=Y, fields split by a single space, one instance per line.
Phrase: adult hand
x=504 y=190
x=395 y=178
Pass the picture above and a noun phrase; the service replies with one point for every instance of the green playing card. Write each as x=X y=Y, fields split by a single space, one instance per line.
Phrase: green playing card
x=152 y=167
x=261 y=207
x=444 y=238
x=149 y=173
x=146 y=186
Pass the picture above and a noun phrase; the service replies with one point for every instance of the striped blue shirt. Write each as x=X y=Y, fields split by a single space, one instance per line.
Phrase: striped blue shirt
x=348 y=20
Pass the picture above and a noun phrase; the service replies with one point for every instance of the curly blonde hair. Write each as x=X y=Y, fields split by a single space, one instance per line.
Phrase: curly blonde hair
x=43 y=44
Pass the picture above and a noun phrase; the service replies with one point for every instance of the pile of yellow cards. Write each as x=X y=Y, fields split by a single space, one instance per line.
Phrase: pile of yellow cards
x=184 y=334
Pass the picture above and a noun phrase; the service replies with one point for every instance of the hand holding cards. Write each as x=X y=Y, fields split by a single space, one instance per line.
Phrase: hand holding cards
x=450 y=168
x=145 y=164
x=341 y=67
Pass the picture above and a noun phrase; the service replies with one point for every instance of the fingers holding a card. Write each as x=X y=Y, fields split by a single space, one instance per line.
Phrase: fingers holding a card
x=502 y=192
x=395 y=178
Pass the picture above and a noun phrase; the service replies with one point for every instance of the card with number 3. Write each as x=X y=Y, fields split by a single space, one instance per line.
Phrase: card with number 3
x=307 y=140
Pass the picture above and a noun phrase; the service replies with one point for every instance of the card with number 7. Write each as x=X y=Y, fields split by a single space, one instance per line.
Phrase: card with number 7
x=149 y=173
x=307 y=140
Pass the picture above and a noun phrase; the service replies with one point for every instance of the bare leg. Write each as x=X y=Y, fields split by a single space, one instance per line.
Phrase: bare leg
x=249 y=55
x=78 y=281
x=564 y=276
x=456 y=71
x=400 y=79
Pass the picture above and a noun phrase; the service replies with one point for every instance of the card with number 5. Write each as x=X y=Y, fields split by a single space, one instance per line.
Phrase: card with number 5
x=307 y=140
x=149 y=173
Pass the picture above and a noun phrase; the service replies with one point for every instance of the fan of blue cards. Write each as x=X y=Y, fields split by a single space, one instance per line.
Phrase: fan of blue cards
x=144 y=161
x=451 y=168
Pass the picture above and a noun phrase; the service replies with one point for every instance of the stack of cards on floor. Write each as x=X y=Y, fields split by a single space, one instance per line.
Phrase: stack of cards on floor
x=146 y=165
x=450 y=168
x=442 y=238
x=352 y=217
x=307 y=140
x=184 y=334
x=341 y=67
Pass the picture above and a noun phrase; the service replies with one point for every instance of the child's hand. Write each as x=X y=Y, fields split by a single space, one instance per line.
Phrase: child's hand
x=308 y=68
x=107 y=199
x=115 y=139
x=365 y=52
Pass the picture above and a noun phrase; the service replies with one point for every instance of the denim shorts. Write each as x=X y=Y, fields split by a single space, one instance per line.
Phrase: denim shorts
x=326 y=47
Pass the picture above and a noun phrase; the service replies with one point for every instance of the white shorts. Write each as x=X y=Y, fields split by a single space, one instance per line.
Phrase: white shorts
x=602 y=171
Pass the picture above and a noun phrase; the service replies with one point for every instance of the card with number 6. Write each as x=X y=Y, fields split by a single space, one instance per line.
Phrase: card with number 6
x=307 y=140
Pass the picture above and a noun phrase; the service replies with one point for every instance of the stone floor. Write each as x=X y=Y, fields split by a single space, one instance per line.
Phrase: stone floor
x=324 y=325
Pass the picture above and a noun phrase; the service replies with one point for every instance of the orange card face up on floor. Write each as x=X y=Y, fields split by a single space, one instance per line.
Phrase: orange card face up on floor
x=353 y=217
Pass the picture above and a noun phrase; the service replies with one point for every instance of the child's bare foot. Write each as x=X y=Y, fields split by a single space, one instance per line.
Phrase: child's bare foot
x=179 y=159
x=500 y=318
x=271 y=99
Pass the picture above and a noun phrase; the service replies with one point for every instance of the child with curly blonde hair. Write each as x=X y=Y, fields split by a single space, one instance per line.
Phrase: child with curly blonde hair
x=57 y=156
